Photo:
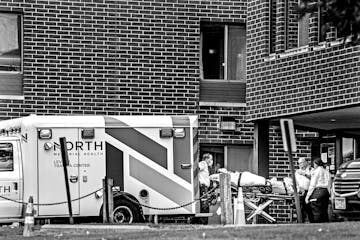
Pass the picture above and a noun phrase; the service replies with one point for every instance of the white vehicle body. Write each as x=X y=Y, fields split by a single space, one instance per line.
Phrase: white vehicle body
x=128 y=149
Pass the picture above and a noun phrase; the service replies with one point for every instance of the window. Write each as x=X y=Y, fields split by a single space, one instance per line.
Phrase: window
x=10 y=54
x=321 y=30
x=272 y=25
x=232 y=157
x=223 y=63
x=6 y=157
x=348 y=145
x=293 y=32
x=297 y=30
x=327 y=31
x=303 y=31
x=223 y=54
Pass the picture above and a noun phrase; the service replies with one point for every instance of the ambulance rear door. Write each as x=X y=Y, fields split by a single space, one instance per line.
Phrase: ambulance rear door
x=51 y=181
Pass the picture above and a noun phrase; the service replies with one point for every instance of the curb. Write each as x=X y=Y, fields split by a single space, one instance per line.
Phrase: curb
x=90 y=226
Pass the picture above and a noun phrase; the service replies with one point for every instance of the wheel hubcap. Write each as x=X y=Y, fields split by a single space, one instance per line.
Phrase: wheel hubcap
x=123 y=214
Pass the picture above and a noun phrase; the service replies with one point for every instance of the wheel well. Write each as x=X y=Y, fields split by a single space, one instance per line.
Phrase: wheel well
x=127 y=197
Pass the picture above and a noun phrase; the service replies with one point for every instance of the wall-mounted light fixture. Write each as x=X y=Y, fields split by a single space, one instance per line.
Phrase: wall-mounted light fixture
x=227 y=123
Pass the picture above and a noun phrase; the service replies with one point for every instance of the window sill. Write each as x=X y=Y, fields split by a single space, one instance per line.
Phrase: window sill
x=323 y=45
x=304 y=49
x=12 y=97
x=221 y=104
x=242 y=80
x=294 y=51
x=287 y=53
x=320 y=46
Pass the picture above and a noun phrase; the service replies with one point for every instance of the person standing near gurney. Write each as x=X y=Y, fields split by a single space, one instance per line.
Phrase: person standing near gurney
x=319 y=191
x=204 y=179
x=302 y=176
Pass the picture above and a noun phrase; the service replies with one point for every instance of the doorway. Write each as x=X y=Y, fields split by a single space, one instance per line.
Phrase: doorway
x=232 y=157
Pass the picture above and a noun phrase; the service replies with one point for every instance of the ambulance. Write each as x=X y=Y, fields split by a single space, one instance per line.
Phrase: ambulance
x=151 y=159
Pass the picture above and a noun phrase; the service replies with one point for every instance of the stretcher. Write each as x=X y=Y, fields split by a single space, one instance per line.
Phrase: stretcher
x=258 y=192
x=258 y=202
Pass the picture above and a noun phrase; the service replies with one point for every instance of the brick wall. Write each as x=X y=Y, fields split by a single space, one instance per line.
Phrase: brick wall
x=141 y=57
x=118 y=57
x=113 y=57
x=210 y=118
x=278 y=159
x=321 y=76
x=324 y=76
x=124 y=57
x=279 y=168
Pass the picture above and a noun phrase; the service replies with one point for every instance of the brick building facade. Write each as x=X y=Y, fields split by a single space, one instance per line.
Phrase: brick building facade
x=296 y=70
x=150 y=57
x=62 y=57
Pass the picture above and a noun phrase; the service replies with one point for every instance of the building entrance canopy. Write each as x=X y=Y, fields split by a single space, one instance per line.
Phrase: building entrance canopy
x=344 y=121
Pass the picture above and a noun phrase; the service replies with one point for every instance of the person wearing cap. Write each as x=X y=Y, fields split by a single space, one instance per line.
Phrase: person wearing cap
x=319 y=192
x=302 y=176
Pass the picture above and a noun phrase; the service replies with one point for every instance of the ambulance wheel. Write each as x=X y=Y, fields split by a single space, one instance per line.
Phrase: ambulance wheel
x=125 y=212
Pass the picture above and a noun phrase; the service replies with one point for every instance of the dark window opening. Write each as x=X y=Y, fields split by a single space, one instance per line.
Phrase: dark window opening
x=223 y=51
x=213 y=52
x=272 y=25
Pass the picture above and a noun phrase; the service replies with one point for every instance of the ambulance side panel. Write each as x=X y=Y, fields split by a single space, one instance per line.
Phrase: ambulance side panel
x=141 y=159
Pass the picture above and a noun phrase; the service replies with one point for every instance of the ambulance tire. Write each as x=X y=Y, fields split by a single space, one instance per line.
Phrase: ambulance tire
x=125 y=212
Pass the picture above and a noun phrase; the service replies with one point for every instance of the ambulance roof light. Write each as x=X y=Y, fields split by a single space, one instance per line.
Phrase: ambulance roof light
x=166 y=132
x=88 y=133
x=179 y=132
x=45 y=133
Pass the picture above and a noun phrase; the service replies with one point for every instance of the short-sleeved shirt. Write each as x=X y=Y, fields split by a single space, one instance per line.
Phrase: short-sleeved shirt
x=320 y=178
x=303 y=181
x=204 y=176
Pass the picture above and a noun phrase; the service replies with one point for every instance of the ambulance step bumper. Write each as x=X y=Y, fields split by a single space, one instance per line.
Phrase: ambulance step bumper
x=204 y=214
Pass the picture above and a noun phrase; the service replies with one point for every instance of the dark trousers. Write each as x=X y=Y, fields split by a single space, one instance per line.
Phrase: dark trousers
x=319 y=202
x=204 y=203
x=306 y=211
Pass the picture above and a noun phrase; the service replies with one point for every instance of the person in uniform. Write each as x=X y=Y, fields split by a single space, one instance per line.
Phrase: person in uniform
x=204 y=179
x=319 y=192
x=302 y=176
